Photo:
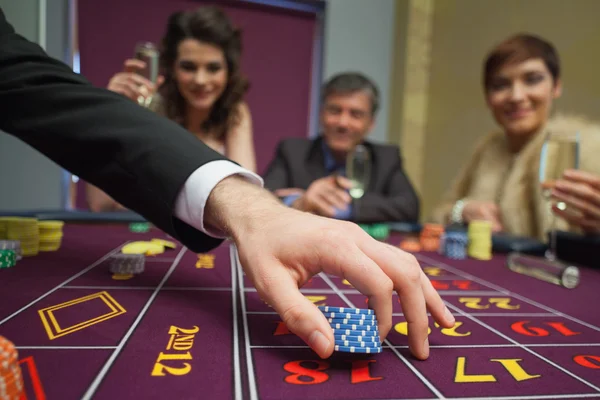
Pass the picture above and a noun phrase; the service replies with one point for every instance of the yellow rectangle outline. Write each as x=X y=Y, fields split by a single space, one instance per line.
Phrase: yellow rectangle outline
x=116 y=309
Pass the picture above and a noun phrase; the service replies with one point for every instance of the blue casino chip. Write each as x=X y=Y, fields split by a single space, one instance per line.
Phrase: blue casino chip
x=350 y=343
x=355 y=327
x=338 y=315
x=356 y=338
x=354 y=332
x=352 y=349
x=350 y=321
x=346 y=310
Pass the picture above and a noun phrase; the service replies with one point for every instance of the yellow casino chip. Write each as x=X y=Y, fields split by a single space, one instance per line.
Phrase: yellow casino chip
x=147 y=248
x=165 y=243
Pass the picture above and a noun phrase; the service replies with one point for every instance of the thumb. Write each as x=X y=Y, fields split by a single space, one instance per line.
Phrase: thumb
x=300 y=315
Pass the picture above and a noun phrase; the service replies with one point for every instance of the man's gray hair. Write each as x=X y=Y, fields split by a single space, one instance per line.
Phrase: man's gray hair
x=349 y=82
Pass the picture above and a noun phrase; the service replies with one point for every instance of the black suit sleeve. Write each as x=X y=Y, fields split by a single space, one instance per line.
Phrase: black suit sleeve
x=140 y=159
x=398 y=203
x=278 y=171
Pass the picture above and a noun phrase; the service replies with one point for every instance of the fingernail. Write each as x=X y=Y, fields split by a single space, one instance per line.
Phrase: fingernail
x=449 y=316
x=318 y=342
x=426 y=348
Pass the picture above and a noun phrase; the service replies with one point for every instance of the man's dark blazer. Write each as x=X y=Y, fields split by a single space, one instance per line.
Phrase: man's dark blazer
x=139 y=158
x=389 y=197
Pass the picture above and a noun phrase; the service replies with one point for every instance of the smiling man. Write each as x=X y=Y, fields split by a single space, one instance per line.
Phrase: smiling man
x=309 y=174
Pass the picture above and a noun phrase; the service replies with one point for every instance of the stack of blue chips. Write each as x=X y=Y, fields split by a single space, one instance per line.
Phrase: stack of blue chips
x=355 y=329
x=455 y=245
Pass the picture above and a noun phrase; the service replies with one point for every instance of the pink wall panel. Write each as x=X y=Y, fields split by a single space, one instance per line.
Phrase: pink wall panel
x=277 y=58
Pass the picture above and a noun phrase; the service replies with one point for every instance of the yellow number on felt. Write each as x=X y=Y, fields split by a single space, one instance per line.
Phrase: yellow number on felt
x=473 y=302
x=205 y=261
x=499 y=302
x=175 y=330
x=504 y=303
x=510 y=364
x=159 y=369
x=452 y=331
x=462 y=377
x=402 y=328
x=514 y=368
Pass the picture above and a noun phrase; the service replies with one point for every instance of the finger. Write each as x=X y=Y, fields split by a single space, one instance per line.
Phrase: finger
x=547 y=185
x=328 y=201
x=322 y=206
x=344 y=182
x=125 y=89
x=440 y=313
x=585 y=222
x=404 y=271
x=582 y=191
x=343 y=195
x=577 y=175
x=298 y=313
x=333 y=198
x=134 y=65
x=574 y=202
x=159 y=81
x=351 y=263
x=140 y=81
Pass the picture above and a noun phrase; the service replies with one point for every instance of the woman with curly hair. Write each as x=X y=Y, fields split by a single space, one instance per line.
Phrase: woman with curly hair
x=202 y=87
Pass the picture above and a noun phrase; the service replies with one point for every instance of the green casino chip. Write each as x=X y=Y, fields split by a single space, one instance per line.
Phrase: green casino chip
x=8 y=258
x=139 y=227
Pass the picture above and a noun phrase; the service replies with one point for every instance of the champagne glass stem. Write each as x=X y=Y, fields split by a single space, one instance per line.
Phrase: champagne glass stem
x=551 y=252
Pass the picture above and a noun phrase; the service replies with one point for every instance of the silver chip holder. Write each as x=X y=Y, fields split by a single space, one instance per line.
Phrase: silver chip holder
x=567 y=276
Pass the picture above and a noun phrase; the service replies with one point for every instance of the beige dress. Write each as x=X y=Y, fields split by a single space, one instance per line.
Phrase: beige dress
x=510 y=180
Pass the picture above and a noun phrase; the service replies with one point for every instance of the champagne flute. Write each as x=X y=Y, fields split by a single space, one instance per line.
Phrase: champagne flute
x=564 y=150
x=358 y=170
x=149 y=54
x=559 y=153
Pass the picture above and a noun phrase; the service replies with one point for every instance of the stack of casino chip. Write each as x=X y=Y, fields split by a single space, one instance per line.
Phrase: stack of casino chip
x=51 y=234
x=430 y=237
x=455 y=245
x=14 y=245
x=24 y=230
x=8 y=258
x=125 y=264
x=11 y=378
x=480 y=240
x=355 y=330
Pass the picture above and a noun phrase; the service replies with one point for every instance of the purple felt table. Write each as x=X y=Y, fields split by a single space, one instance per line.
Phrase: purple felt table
x=192 y=327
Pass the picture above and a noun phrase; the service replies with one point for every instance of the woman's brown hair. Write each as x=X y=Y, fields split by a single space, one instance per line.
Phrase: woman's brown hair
x=517 y=49
x=208 y=25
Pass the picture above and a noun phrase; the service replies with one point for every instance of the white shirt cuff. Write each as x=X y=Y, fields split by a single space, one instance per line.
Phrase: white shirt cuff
x=191 y=201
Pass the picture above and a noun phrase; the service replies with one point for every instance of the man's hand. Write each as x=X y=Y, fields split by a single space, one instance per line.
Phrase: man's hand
x=324 y=196
x=281 y=249
x=580 y=191
x=485 y=211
